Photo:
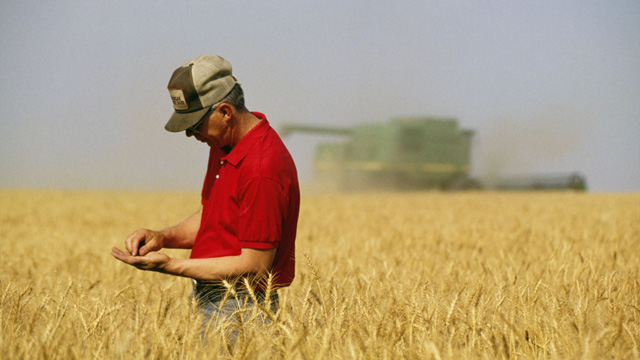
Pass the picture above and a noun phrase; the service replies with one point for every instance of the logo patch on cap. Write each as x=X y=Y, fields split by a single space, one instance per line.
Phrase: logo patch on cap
x=179 y=101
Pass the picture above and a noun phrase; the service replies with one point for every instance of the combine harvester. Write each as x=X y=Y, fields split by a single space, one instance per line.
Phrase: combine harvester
x=419 y=153
x=403 y=154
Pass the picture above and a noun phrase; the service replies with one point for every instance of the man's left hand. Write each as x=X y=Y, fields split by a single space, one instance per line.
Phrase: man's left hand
x=153 y=261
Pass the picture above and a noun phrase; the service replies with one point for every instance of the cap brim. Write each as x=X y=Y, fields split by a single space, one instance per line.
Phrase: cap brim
x=182 y=121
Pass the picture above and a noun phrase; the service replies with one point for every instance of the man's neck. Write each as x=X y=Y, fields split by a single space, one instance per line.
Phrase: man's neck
x=245 y=122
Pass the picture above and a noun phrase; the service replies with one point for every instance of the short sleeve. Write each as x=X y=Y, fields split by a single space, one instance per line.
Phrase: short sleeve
x=262 y=206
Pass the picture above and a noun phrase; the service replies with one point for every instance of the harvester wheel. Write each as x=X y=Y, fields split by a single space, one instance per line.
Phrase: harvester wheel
x=462 y=182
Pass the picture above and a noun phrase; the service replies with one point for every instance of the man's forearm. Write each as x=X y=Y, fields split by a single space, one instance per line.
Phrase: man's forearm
x=183 y=235
x=250 y=261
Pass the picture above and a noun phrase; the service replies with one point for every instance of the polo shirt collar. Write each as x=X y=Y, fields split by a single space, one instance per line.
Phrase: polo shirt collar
x=248 y=141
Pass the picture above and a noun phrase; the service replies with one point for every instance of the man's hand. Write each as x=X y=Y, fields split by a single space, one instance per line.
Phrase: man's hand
x=153 y=261
x=144 y=241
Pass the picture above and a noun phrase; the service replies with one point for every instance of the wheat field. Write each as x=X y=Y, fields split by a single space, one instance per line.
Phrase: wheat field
x=477 y=275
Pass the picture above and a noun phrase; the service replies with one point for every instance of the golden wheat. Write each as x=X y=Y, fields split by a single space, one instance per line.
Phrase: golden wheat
x=385 y=276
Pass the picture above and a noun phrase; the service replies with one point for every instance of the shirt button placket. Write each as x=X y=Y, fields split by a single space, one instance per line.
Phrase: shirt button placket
x=221 y=163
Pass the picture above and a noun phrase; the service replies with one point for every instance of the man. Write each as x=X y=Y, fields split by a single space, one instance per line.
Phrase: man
x=246 y=224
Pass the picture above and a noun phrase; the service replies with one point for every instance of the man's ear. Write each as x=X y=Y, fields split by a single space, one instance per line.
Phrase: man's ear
x=227 y=111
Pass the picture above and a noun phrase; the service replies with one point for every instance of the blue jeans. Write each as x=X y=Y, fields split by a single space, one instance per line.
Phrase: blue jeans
x=216 y=303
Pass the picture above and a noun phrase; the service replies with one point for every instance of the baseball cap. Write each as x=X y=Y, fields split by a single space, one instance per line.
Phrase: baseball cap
x=195 y=86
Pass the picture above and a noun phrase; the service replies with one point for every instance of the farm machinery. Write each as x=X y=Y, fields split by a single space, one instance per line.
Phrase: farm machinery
x=569 y=181
x=403 y=154
x=414 y=153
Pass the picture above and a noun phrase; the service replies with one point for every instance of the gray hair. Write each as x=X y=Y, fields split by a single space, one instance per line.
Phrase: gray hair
x=235 y=97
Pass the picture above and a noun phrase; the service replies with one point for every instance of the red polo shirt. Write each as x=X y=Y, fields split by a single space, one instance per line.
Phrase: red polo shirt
x=251 y=199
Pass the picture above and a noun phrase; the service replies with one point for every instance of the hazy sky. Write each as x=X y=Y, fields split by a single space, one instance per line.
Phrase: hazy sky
x=549 y=86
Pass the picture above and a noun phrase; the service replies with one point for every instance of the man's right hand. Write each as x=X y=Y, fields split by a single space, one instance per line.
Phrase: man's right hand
x=144 y=241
